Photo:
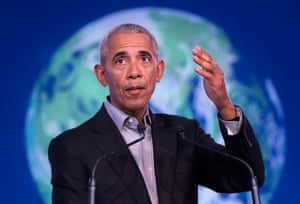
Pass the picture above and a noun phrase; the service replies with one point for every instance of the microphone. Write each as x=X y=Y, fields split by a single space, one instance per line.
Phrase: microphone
x=92 y=181
x=254 y=186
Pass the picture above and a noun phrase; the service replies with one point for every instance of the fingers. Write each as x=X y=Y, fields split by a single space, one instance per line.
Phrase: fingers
x=213 y=77
x=199 y=55
x=207 y=65
x=202 y=58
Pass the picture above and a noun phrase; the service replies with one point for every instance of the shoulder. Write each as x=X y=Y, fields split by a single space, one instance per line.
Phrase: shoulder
x=79 y=136
x=171 y=117
x=83 y=132
x=71 y=137
x=175 y=120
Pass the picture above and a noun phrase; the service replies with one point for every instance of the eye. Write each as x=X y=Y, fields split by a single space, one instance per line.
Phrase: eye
x=120 y=61
x=146 y=58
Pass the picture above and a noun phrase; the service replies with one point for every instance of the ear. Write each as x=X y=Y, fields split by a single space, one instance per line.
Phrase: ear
x=160 y=70
x=99 y=72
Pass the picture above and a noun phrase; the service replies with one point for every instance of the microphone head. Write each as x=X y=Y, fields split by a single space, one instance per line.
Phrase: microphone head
x=180 y=131
x=141 y=127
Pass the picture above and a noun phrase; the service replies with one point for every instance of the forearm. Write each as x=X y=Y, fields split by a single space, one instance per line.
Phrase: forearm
x=245 y=145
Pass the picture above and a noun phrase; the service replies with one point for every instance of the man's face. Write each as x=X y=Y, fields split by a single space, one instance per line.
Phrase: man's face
x=131 y=71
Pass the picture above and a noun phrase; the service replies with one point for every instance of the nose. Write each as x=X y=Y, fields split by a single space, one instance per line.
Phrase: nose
x=134 y=72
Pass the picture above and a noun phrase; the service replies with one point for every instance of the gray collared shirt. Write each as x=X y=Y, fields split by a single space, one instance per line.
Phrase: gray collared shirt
x=142 y=151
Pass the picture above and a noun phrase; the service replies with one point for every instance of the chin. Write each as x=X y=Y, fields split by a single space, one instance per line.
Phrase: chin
x=137 y=106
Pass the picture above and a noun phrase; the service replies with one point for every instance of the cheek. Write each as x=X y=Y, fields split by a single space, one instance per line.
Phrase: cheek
x=115 y=78
x=152 y=82
x=155 y=78
x=115 y=85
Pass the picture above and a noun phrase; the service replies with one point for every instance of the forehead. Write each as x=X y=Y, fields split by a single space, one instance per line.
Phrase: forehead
x=123 y=41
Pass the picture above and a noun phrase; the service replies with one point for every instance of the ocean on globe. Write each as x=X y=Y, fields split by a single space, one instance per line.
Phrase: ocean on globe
x=67 y=93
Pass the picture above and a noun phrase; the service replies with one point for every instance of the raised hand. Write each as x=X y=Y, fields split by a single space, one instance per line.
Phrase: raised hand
x=214 y=83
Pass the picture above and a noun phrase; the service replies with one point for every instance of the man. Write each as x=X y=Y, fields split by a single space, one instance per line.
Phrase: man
x=162 y=168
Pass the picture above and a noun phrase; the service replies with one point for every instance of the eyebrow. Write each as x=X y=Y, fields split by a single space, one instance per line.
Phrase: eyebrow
x=143 y=52
x=123 y=53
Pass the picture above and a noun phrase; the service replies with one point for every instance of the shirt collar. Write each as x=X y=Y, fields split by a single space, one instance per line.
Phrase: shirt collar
x=119 y=117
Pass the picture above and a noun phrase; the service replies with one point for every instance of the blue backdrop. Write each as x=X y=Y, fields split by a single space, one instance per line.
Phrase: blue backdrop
x=266 y=32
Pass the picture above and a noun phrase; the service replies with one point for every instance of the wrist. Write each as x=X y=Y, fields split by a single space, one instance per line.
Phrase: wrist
x=228 y=112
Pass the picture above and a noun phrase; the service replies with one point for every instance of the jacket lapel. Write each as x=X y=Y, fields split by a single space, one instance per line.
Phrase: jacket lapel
x=165 y=151
x=108 y=139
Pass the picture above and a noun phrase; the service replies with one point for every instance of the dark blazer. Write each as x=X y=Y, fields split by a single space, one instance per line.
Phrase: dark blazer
x=179 y=166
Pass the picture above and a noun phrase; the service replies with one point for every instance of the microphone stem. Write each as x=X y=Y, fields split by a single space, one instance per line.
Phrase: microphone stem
x=254 y=187
x=92 y=189
x=255 y=194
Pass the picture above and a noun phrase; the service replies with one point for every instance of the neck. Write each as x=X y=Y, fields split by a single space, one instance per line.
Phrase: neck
x=138 y=114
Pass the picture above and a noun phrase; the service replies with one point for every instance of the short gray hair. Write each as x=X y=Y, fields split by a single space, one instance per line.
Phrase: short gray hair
x=125 y=28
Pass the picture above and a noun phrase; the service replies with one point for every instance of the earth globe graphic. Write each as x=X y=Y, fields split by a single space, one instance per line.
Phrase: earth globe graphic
x=67 y=92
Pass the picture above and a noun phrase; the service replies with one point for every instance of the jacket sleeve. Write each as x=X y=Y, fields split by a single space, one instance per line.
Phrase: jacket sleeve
x=245 y=146
x=218 y=168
